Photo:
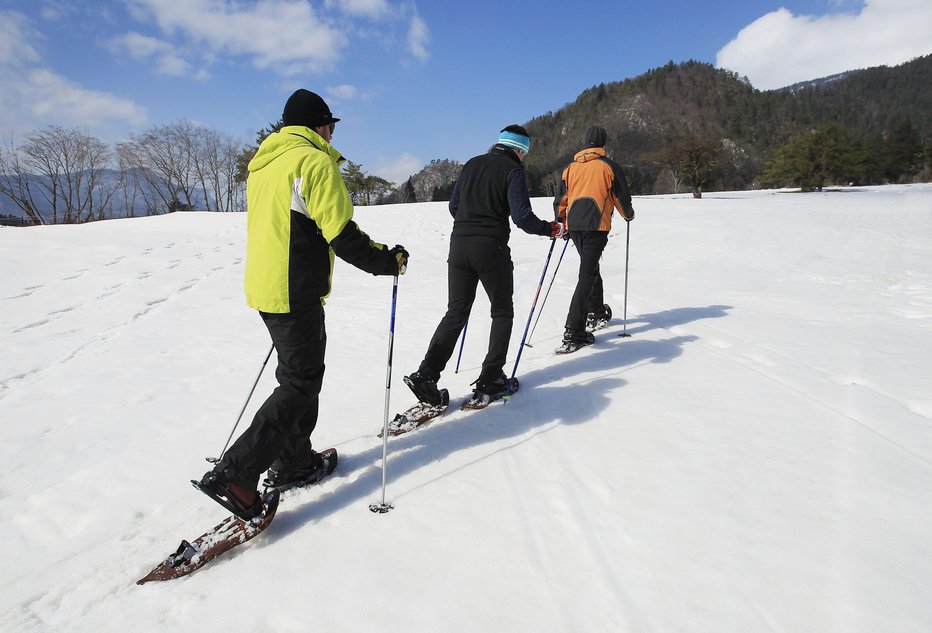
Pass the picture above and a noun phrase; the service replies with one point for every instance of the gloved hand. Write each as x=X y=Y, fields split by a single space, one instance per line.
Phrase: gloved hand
x=401 y=256
x=629 y=216
x=557 y=230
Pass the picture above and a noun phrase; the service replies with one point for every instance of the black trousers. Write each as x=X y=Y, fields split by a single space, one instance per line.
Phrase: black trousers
x=475 y=260
x=588 y=296
x=282 y=426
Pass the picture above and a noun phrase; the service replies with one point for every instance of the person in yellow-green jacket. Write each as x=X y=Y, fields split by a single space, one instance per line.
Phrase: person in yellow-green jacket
x=299 y=216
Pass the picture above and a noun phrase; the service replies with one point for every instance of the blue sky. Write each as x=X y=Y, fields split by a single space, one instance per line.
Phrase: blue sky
x=411 y=80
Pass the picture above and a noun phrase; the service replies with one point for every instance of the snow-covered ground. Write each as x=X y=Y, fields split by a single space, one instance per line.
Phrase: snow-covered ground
x=757 y=456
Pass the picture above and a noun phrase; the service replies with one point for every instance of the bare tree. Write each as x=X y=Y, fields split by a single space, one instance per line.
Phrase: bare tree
x=162 y=158
x=14 y=182
x=57 y=176
x=692 y=158
x=217 y=160
x=184 y=166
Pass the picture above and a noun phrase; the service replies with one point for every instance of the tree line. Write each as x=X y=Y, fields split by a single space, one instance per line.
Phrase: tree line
x=62 y=176
x=58 y=175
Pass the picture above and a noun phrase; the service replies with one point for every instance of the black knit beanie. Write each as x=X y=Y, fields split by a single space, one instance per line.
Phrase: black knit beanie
x=596 y=136
x=307 y=108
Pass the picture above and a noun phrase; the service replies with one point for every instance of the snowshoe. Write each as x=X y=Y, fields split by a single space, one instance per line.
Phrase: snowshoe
x=418 y=415
x=323 y=464
x=487 y=393
x=574 y=341
x=231 y=532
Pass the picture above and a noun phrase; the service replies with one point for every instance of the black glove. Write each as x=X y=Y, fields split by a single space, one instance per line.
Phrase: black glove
x=401 y=256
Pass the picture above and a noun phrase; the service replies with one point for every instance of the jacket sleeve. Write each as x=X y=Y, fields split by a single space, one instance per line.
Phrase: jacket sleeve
x=354 y=247
x=454 y=204
x=329 y=205
x=519 y=204
x=621 y=192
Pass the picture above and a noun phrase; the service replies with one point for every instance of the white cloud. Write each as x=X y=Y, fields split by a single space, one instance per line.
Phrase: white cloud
x=31 y=95
x=160 y=53
x=15 y=35
x=399 y=169
x=57 y=98
x=780 y=48
x=343 y=91
x=367 y=8
x=419 y=38
x=285 y=36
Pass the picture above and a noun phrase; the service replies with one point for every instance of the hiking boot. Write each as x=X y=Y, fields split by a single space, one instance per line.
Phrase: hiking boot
x=598 y=319
x=580 y=338
x=424 y=385
x=487 y=392
x=316 y=466
x=241 y=500
x=492 y=387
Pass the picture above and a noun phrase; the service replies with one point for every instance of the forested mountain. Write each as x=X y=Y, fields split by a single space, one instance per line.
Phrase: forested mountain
x=645 y=115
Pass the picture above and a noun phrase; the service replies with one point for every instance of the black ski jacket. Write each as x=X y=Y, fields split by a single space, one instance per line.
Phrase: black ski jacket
x=491 y=188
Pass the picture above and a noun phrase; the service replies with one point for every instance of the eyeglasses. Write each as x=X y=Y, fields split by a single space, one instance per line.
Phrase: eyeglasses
x=332 y=126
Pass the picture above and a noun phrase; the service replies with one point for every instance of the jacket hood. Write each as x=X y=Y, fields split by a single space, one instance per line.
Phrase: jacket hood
x=590 y=153
x=288 y=138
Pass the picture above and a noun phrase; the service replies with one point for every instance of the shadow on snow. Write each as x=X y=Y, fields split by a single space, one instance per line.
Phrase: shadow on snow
x=540 y=404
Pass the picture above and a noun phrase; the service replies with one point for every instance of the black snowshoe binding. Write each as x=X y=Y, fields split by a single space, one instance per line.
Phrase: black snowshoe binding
x=486 y=393
x=598 y=319
x=283 y=477
x=574 y=341
x=424 y=386
x=240 y=500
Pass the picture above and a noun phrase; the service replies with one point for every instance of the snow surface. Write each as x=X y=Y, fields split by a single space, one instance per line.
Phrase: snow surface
x=757 y=456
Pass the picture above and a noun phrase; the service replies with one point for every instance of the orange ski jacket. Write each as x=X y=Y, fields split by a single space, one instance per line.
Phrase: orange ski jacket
x=593 y=186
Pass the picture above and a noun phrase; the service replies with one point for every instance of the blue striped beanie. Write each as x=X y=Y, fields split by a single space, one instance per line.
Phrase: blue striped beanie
x=515 y=137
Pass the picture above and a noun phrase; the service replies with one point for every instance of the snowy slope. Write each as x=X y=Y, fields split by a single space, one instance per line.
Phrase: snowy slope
x=756 y=457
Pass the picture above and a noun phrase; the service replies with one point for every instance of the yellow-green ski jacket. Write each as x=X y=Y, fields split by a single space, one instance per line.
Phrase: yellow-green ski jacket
x=299 y=216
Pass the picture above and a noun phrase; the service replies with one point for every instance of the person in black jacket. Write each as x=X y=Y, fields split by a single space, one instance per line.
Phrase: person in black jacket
x=491 y=189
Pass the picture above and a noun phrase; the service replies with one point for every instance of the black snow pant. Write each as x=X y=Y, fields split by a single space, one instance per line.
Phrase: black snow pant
x=282 y=426
x=588 y=296
x=473 y=260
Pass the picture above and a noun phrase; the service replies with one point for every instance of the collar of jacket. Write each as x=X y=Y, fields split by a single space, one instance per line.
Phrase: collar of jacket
x=316 y=140
x=507 y=151
x=589 y=153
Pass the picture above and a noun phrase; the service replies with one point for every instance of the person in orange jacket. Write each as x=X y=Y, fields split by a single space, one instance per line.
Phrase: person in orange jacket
x=592 y=187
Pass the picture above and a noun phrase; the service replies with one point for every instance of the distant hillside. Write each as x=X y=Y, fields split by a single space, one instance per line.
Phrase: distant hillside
x=645 y=113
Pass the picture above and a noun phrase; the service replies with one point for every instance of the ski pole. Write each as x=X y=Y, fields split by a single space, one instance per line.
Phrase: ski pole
x=462 y=340
x=547 y=294
x=624 y=329
x=543 y=274
x=383 y=507
x=214 y=460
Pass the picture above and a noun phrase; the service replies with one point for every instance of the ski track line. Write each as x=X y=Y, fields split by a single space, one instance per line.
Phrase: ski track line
x=598 y=557
x=754 y=366
x=594 y=483
x=108 y=334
